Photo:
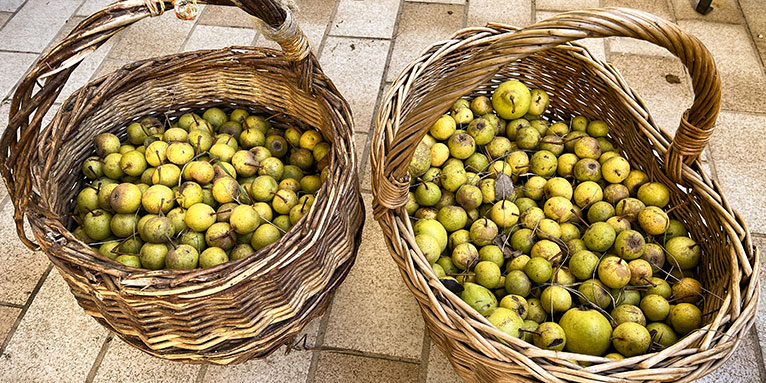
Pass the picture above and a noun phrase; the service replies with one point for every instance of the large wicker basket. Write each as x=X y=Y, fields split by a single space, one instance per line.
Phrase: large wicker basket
x=476 y=60
x=232 y=312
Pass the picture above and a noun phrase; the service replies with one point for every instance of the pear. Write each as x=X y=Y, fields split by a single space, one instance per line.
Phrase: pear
x=517 y=283
x=631 y=339
x=540 y=100
x=550 y=336
x=488 y=274
x=433 y=228
x=556 y=299
x=479 y=298
x=583 y=264
x=628 y=313
x=153 y=255
x=511 y=100
x=686 y=290
x=538 y=269
x=683 y=252
x=482 y=131
x=614 y=272
x=507 y=321
x=655 y=307
x=595 y=292
x=587 y=331
x=662 y=334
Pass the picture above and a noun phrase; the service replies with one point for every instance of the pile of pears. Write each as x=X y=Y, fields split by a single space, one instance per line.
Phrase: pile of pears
x=197 y=191
x=545 y=229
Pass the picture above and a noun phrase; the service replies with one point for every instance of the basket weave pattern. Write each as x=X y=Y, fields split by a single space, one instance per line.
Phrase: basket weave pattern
x=226 y=314
x=472 y=63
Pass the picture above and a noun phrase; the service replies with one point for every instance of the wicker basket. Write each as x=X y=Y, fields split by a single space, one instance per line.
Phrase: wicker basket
x=232 y=312
x=476 y=60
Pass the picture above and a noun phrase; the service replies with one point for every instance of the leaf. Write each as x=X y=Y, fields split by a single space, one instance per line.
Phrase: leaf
x=503 y=187
x=452 y=285
x=673 y=79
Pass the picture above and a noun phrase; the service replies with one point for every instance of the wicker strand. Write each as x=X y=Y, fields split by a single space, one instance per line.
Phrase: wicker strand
x=293 y=42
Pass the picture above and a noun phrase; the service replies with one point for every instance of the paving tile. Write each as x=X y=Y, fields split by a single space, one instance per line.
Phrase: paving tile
x=741 y=74
x=215 y=37
x=225 y=16
x=4 y=16
x=90 y=7
x=595 y=46
x=373 y=311
x=5 y=109
x=414 y=35
x=755 y=13
x=33 y=27
x=21 y=267
x=358 y=83
x=108 y=66
x=724 y=11
x=10 y=5
x=365 y=18
x=313 y=17
x=333 y=367
x=141 y=40
x=742 y=367
x=665 y=101
x=439 y=368
x=760 y=316
x=655 y=7
x=55 y=342
x=742 y=173
x=13 y=66
x=565 y=5
x=634 y=46
x=279 y=367
x=8 y=317
x=124 y=363
x=513 y=12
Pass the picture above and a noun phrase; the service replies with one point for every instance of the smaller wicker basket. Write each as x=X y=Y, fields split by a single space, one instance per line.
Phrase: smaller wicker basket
x=472 y=63
x=229 y=313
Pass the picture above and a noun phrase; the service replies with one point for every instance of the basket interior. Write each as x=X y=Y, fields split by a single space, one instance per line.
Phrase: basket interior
x=227 y=85
x=579 y=85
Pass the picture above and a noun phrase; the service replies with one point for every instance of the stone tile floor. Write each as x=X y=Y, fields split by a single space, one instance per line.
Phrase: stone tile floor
x=362 y=45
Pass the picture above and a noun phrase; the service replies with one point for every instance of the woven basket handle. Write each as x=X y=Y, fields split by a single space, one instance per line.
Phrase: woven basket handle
x=690 y=139
x=39 y=89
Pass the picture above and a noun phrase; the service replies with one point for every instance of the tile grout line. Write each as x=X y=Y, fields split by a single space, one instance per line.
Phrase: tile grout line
x=99 y=358
x=319 y=341
x=425 y=357
x=188 y=35
x=201 y=373
x=326 y=317
x=466 y=6
x=24 y=310
x=759 y=352
x=363 y=37
x=752 y=37
x=11 y=305
x=326 y=34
